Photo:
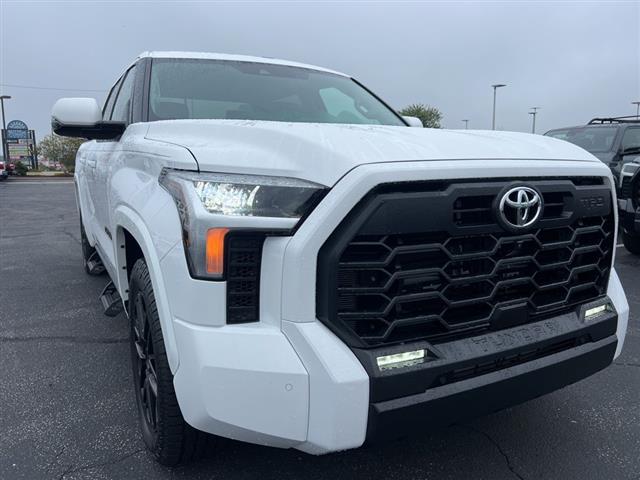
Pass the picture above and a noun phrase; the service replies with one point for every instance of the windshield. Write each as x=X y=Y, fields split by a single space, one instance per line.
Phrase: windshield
x=592 y=139
x=220 y=89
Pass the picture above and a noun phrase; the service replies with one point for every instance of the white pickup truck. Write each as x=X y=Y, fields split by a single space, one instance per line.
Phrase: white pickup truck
x=302 y=269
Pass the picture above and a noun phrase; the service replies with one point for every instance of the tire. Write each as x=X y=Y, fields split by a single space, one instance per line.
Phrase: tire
x=631 y=242
x=165 y=432
x=87 y=252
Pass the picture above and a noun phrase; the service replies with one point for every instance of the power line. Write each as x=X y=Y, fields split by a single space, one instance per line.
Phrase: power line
x=32 y=87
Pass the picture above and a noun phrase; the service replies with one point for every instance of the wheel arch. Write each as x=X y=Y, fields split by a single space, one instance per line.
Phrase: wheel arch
x=133 y=241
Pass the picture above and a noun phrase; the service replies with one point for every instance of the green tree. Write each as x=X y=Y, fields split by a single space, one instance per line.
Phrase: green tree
x=430 y=116
x=60 y=149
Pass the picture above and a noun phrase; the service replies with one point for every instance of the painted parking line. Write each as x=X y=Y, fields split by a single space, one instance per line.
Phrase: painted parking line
x=620 y=245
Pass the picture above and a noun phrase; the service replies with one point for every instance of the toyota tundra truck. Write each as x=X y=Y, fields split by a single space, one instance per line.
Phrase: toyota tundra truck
x=301 y=268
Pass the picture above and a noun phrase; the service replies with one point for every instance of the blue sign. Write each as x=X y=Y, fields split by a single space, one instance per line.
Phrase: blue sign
x=17 y=129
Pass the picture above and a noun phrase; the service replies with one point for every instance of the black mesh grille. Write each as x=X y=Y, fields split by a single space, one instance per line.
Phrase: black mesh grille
x=630 y=188
x=625 y=188
x=243 y=256
x=393 y=281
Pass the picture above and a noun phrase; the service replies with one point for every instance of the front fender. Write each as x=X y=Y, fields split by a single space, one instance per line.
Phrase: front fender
x=127 y=219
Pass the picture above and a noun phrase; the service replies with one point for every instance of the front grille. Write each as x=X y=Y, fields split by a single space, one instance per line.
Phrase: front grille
x=625 y=188
x=630 y=188
x=243 y=257
x=432 y=263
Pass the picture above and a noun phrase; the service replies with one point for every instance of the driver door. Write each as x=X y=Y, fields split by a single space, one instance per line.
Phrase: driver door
x=105 y=152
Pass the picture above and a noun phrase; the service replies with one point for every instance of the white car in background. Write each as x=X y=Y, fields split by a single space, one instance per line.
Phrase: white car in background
x=301 y=269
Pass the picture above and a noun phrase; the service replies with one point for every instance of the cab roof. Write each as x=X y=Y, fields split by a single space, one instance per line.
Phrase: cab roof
x=235 y=58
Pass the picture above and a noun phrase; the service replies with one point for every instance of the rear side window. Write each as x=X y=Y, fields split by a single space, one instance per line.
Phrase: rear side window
x=122 y=106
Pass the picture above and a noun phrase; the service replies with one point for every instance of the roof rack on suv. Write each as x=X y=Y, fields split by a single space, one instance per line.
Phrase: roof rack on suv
x=626 y=119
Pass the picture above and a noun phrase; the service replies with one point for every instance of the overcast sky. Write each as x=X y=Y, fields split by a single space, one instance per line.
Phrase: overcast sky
x=575 y=60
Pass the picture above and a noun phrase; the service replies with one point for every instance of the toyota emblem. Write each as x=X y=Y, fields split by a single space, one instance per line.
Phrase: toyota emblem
x=520 y=207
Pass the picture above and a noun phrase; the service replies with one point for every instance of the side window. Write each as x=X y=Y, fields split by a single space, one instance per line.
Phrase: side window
x=631 y=138
x=122 y=106
x=108 y=105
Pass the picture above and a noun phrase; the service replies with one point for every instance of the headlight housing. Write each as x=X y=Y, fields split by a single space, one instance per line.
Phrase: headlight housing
x=628 y=169
x=211 y=205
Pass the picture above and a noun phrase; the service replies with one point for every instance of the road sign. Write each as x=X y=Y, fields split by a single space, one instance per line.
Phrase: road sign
x=20 y=143
x=17 y=129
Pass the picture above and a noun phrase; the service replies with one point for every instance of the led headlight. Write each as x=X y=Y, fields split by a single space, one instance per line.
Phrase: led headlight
x=254 y=196
x=211 y=205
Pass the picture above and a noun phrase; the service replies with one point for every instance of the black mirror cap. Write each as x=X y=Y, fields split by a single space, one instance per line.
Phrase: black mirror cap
x=99 y=131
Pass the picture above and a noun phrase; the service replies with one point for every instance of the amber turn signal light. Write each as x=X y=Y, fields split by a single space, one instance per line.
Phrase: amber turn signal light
x=215 y=250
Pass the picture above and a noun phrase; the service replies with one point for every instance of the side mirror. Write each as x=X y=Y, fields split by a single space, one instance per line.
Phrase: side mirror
x=81 y=117
x=413 y=121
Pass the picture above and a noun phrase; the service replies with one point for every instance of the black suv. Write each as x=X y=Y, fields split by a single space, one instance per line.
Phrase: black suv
x=615 y=140
x=629 y=206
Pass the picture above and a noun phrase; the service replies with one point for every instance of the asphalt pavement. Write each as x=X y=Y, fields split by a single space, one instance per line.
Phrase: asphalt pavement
x=67 y=406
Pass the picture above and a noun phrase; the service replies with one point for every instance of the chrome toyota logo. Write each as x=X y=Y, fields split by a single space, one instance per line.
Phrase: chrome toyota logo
x=520 y=207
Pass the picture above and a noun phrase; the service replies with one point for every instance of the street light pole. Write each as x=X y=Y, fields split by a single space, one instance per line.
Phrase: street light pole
x=4 y=129
x=637 y=104
x=533 y=114
x=466 y=123
x=495 y=87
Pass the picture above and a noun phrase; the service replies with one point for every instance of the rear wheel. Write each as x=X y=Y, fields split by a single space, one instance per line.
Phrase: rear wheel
x=631 y=242
x=164 y=430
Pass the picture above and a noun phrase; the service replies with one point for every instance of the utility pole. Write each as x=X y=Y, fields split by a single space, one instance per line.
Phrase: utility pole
x=466 y=123
x=637 y=104
x=533 y=114
x=495 y=87
x=5 y=152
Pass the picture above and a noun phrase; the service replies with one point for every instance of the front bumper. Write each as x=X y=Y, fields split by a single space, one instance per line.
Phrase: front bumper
x=629 y=216
x=303 y=388
x=489 y=393
x=288 y=381
x=475 y=376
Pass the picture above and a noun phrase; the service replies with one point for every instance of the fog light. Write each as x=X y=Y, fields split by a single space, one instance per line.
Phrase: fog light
x=595 y=311
x=404 y=359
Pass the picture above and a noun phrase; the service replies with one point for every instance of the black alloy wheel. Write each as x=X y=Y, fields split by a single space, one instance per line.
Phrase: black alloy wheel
x=165 y=432
x=144 y=369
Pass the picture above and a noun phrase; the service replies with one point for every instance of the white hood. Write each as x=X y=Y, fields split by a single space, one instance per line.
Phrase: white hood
x=323 y=153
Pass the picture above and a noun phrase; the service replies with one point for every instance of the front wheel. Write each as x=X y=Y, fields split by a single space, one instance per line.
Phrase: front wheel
x=165 y=432
x=631 y=242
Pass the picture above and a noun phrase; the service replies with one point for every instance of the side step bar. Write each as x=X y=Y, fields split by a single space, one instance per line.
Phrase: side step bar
x=111 y=301
x=94 y=264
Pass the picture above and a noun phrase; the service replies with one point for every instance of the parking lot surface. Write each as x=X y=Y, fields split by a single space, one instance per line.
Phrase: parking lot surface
x=67 y=408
